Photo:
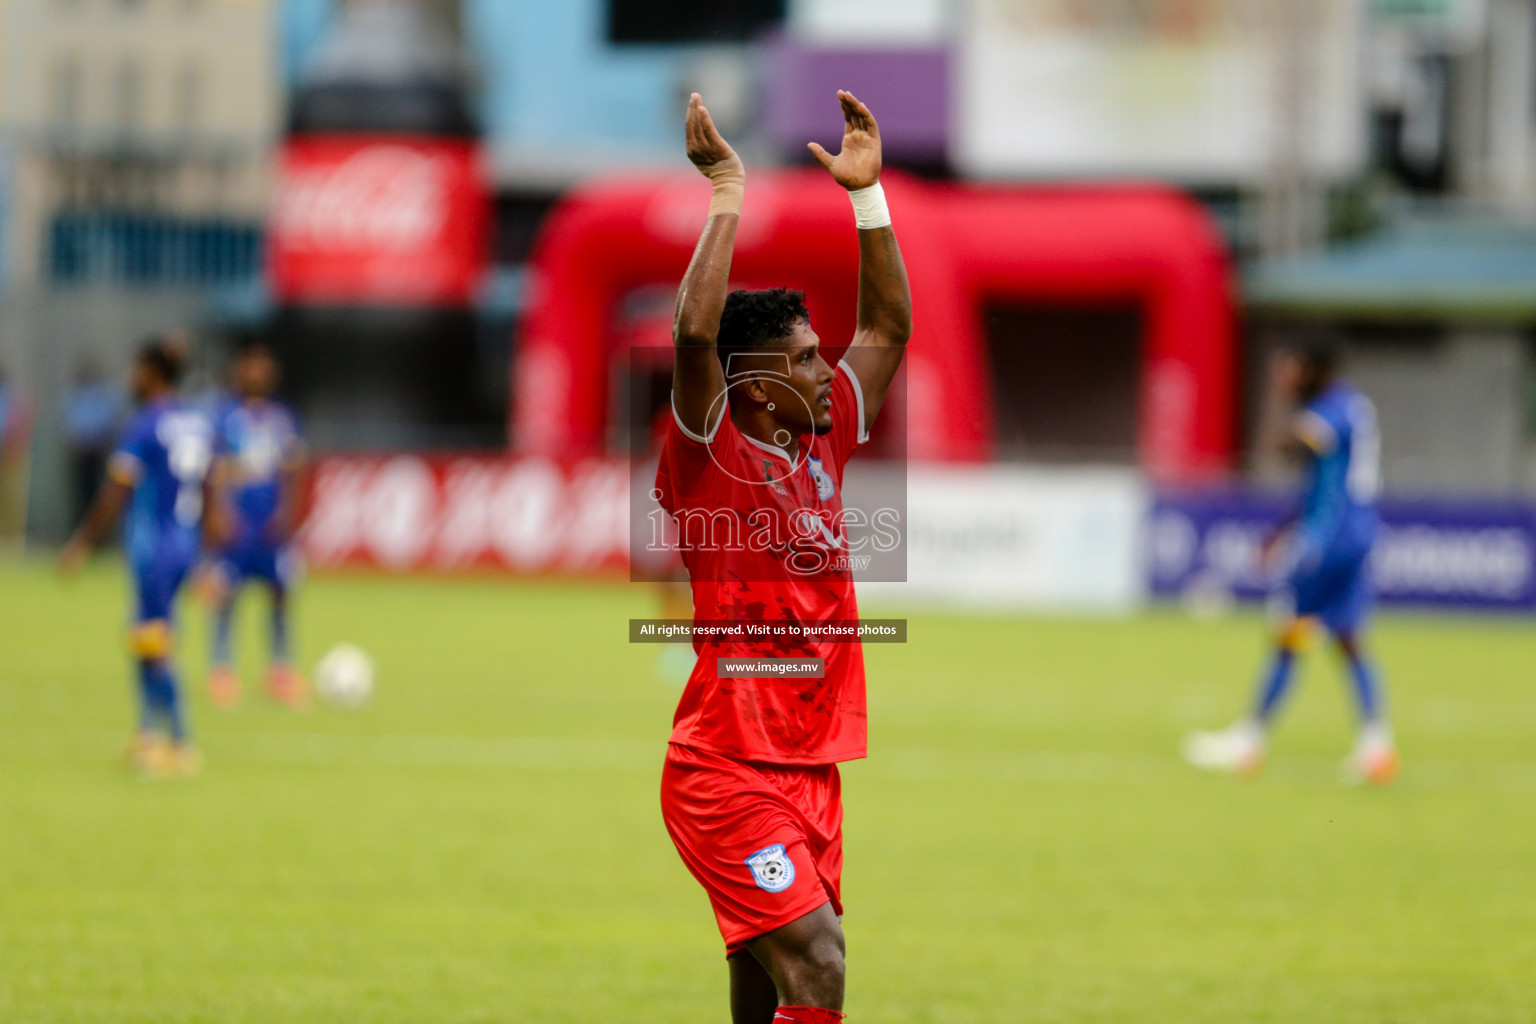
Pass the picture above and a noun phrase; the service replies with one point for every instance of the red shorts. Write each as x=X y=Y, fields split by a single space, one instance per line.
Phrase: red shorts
x=765 y=841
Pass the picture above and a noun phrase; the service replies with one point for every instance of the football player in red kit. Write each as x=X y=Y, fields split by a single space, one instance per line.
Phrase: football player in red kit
x=752 y=471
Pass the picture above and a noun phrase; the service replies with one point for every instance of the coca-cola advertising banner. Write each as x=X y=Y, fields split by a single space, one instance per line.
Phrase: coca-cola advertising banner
x=390 y=220
x=408 y=512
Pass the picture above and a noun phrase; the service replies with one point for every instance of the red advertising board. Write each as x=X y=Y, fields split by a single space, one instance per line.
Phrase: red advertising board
x=378 y=220
x=408 y=512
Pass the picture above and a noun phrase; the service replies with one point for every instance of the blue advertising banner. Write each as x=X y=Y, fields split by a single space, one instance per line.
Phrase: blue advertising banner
x=1430 y=552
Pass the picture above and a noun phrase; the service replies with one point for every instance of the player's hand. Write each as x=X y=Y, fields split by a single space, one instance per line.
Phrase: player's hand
x=706 y=147
x=72 y=558
x=210 y=584
x=857 y=164
x=217 y=529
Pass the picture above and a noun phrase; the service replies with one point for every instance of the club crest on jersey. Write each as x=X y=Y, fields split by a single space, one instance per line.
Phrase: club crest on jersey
x=824 y=487
x=772 y=869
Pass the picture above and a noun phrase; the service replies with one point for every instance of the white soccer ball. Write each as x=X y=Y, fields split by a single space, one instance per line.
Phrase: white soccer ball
x=344 y=676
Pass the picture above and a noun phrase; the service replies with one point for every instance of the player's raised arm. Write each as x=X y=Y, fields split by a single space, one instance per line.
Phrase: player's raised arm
x=698 y=382
x=885 y=301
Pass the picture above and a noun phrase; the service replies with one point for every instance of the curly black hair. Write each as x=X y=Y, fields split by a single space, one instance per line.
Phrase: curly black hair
x=162 y=357
x=248 y=347
x=756 y=320
x=1321 y=357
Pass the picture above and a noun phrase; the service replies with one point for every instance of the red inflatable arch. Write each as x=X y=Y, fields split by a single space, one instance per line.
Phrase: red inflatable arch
x=965 y=247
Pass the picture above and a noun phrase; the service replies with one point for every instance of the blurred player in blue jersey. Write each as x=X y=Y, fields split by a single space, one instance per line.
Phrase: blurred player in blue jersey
x=259 y=459
x=1323 y=567
x=158 y=473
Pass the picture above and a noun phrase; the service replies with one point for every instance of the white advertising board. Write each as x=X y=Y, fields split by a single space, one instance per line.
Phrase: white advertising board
x=1190 y=90
x=1011 y=537
x=866 y=23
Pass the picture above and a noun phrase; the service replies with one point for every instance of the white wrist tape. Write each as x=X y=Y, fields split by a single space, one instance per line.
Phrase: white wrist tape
x=729 y=181
x=869 y=209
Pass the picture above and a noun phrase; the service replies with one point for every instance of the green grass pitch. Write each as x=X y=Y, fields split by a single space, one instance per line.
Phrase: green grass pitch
x=483 y=843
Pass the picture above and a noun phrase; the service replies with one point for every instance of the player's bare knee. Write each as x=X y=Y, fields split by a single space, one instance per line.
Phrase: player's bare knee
x=807 y=969
x=818 y=971
x=838 y=945
x=827 y=955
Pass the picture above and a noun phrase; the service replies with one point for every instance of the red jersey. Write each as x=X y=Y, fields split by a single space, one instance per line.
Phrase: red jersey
x=764 y=539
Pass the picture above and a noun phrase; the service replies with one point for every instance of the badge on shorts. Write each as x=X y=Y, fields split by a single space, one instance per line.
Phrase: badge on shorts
x=772 y=869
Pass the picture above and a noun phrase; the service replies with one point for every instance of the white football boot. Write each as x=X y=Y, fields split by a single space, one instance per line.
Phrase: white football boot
x=1374 y=759
x=1238 y=749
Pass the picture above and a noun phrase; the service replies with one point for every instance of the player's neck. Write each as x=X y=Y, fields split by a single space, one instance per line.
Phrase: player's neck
x=762 y=428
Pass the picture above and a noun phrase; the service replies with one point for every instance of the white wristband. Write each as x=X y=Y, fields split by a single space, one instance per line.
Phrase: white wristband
x=869 y=209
